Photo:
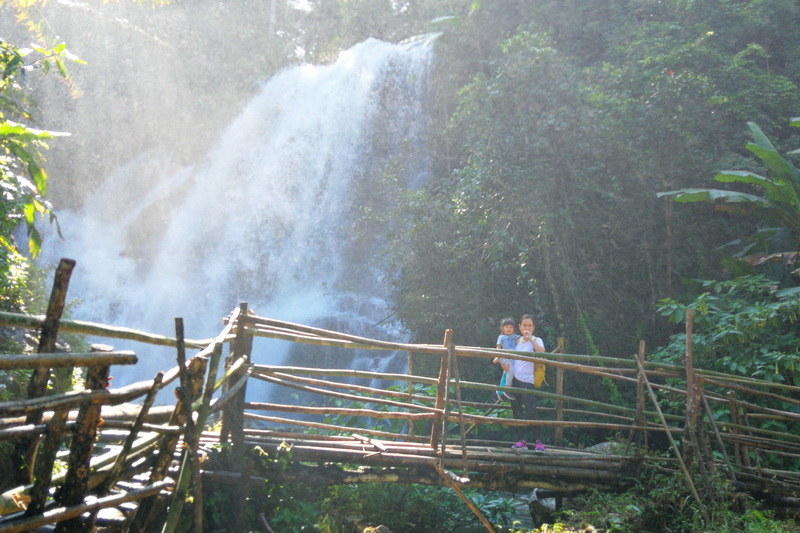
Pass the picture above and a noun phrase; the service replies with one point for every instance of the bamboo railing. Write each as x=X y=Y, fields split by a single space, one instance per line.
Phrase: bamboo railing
x=445 y=421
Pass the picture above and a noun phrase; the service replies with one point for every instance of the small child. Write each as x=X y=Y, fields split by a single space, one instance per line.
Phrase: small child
x=507 y=340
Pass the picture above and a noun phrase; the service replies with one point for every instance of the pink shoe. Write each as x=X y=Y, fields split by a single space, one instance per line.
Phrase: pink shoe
x=521 y=444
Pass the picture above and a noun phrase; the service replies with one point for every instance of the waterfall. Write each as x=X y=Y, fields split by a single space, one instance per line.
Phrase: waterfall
x=265 y=217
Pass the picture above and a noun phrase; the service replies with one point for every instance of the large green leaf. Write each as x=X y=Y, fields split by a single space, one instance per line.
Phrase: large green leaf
x=777 y=191
x=781 y=168
x=712 y=195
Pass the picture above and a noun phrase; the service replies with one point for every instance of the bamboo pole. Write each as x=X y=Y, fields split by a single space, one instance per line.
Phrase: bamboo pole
x=190 y=435
x=76 y=484
x=43 y=468
x=460 y=411
x=449 y=483
x=55 y=360
x=353 y=397
x=65 y=513
x=164 y=455
x=686 y=474
x=720 y=443
x=184 y=475
x=603 y=407
x=691 y=450
x=242 y=347
x=410 y=384
x=26 y=448
x=72 y=399
x=441 y=392
x=19 y=320
x=640 y=438
x=138 y=424
x=736 y=424
x=558 y=432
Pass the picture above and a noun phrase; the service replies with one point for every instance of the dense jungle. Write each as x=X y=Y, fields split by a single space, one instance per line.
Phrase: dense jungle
x=603 y=165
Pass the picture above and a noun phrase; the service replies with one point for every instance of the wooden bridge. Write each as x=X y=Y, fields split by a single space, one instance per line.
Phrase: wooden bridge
x=123 y=453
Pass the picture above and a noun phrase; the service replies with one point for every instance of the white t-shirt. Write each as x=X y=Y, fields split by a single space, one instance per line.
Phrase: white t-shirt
x=523 y=370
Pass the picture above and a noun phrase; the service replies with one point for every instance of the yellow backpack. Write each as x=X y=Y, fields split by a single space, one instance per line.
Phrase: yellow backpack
x=539 y=371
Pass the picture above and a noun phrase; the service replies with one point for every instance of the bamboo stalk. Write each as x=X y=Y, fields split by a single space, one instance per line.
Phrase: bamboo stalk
x=449 y=483
x=677 y=452
x=57 y=360
x=353 y=397
x=746 y=390
x=98 y=330
x=64 y=513
x=341 y=372
x=137 y=426
x=72 y=399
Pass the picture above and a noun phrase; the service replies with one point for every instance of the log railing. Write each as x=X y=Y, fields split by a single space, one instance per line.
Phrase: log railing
x=438 y=413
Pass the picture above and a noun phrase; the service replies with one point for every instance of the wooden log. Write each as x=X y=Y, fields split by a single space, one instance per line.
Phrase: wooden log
x=441 y=390
x=73 y=399
x=275 y=375
x=25 y=449
x=791 y=398
x=144 y=513
x=138 y=425
x=639 y=437
x=98 y=330
x=190 y=437
x=76 y=484
x=472 y=507
x=234 y=416
x=56 y=360
x=334 y=394
x=687 y=477
x=65 y=513
x=558 y=432
x=185 y=472
x=43 y=469
x=342 y=411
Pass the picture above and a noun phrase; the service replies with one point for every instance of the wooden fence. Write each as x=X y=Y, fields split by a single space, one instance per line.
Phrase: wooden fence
x=151 y=459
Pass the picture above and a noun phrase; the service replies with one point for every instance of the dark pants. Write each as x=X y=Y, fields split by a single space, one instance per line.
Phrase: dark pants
x=526 y=400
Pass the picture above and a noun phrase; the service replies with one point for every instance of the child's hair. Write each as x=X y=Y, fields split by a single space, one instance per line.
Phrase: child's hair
x=508 y=321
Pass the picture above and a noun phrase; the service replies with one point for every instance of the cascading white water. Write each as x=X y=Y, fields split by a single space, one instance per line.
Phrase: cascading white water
x=264 y=218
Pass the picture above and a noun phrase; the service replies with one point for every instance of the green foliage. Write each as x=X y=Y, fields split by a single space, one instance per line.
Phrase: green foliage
x=23 y=179
x=545 y=196
x=22 y=174
x=402 y=507
x=748 y=327
x=744 y=326
x=662 y=503
x=779 y=204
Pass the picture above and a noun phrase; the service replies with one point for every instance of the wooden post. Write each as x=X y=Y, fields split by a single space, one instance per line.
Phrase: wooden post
x=43 y=469
x=26 y=447
x=690 y=429
x=234 y=417
x=76 y=484
x=242 y=347
x=410 y=390
x=558 y=432
x=639 y=437
x=119 y=464
x=441 y=391
x=451 y=350
x=190 y=433
x=457 y=383
x=734 y=409
x=197 y=369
